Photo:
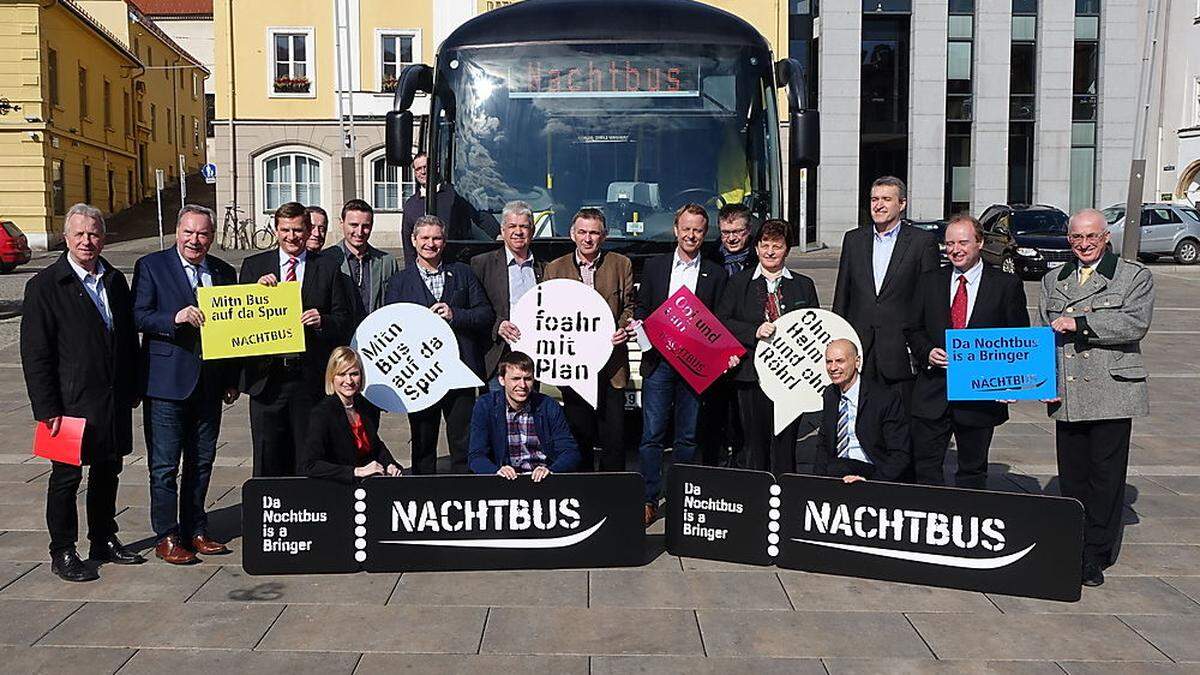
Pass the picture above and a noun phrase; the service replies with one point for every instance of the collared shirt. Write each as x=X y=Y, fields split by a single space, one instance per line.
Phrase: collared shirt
x=772 y=284
x=360 y=274
x=587 y=270
x=973 y=276
x=854 y=450
x=524 y=448
x=94 y=285
x=881 y=253
x=1080 y=275
x=684 y=274
x=435 y=280
x=300 y=263
x=520 y=277
x=196 y=274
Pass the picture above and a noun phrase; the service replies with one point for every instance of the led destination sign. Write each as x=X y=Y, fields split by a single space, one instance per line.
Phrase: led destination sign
x=578 y=77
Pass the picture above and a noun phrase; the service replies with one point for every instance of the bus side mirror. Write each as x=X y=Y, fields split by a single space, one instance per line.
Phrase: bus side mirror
x=399 y=137
x=804 y=124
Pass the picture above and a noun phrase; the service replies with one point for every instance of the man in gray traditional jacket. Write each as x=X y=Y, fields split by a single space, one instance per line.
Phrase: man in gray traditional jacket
x=365 y=269
x=1100 y=307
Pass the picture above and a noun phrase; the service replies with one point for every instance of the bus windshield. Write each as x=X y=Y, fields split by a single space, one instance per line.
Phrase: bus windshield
x=634 y=130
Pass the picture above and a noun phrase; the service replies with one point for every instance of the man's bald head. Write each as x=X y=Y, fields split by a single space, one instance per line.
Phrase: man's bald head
x=1088 y=220
x=843 y=345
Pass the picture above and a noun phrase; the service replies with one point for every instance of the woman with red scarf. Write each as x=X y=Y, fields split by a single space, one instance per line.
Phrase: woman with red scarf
x=343 y=433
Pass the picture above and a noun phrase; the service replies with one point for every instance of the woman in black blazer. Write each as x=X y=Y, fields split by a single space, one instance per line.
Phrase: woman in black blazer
x=754 y=298
x=343 y=441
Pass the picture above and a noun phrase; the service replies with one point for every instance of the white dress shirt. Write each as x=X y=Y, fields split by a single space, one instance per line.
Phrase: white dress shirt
x=283 y=265
x=973 y=276
x=854 y=449
x=684 y=274
x=189 y=273
x=881 y=253
x=772 y=284
x=94 y=286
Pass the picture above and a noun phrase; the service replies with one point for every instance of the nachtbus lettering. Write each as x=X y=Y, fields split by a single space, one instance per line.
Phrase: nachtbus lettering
x=911 y=526
x=1007 y=383
x=499 y=517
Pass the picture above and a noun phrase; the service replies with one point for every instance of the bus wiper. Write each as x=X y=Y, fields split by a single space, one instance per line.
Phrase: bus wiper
x=716 y=103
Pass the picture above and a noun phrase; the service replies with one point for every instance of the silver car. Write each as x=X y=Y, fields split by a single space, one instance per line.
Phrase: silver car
x=1167 y=229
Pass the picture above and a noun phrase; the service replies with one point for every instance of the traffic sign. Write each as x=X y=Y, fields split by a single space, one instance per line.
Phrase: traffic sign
x=209 y=171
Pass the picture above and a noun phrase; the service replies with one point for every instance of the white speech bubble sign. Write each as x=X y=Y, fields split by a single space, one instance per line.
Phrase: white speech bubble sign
x=791 y=365
x=410 y=358
x=566 y=328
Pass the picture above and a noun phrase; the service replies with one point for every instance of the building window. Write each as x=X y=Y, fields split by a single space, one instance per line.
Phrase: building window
x=170 y=127
x=210 y=112
x=83 y=98
x=397 y=49
x=291 y=177
x=182 y=130
x=52 y=75
x=195 y=86
x=58 y=193
x=107 y=105
x=292 y=69
x=129 y=187
x=195 y=134
x=1085 y=88
x=112 y=192
x=959 y=105
x=87 y=184
x=126 y=113
x=1022 y=101
x=153 y=122
x=391 y=185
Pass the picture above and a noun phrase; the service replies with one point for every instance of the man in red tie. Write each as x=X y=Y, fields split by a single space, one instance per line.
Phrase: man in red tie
x=968 y=294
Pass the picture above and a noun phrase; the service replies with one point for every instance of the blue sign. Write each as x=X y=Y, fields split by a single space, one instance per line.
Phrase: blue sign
x=209 y=171
x=996 y=364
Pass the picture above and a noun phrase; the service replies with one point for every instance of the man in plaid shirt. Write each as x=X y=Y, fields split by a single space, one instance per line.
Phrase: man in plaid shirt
x=518 y=430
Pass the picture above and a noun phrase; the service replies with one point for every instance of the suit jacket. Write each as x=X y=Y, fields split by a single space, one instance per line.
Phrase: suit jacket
x=382 y=267
x=171 y=361
x=614 y=282
x=880 y=424
x=472 y=314
x=1101 y=374
x=656 y=281
x=329 y=449
x=742 y=310
x=74 y=365
x=999 y=303
x=879 y=319
x=323 y=290
x=491 y=269
x=489 y=434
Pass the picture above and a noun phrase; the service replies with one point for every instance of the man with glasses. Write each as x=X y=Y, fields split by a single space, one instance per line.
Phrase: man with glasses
x=736 y=252
x=1100 y=307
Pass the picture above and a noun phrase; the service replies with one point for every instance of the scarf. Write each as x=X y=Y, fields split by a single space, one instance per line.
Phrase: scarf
x=734 y=262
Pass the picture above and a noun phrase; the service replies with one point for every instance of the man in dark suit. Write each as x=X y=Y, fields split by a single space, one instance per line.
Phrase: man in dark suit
x=968 y=294
x=182 y=393
x=79 y=357
x=452 y=292
x=283 y=389
x=506 y=274
x=876 y=282
x=462 y=219
x=665 y=394
x=864 y=428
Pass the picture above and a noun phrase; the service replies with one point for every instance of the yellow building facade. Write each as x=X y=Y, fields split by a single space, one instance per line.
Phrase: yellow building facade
x=84 y=131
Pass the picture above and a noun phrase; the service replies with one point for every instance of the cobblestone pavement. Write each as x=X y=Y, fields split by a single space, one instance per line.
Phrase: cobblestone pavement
x=672 y=615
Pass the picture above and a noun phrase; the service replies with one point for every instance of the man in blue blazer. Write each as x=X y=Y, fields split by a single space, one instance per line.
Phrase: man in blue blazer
x=182 y=392
x=517 y=430
x=451 y=291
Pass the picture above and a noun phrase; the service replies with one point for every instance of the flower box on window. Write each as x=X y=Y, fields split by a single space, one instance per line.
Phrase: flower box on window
x=389 y=84
x=292 y=85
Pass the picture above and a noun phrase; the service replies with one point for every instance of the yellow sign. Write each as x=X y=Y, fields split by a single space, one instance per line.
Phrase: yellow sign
x=251 y=320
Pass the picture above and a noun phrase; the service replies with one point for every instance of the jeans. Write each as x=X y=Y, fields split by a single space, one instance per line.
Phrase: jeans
x=178 y=430
x=664 y=392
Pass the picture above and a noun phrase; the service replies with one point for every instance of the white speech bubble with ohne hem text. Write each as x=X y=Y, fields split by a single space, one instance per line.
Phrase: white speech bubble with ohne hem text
x=410 y=358
x=566 y=328
x=791 y=365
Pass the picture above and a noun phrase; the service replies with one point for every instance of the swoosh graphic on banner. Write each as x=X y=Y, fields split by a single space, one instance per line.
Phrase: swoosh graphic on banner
x=554 y=542
x=931 y=558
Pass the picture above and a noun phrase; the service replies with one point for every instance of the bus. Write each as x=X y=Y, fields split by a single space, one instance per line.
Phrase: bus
x=634 y=107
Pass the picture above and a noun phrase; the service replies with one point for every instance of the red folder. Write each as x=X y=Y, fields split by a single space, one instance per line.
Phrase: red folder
x=65 y=447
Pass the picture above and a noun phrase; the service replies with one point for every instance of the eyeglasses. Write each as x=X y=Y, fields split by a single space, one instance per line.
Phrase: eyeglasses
x=1090 y=237
x=731 y=233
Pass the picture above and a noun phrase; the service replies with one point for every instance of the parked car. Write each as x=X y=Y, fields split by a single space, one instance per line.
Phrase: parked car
x=1167 y=229
x=938 y=228
x=14 y=248
x=1027 y=240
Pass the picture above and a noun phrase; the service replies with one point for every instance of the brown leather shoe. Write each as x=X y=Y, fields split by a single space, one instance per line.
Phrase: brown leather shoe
x=204 y=546
x=171 y=550
x=649 y=514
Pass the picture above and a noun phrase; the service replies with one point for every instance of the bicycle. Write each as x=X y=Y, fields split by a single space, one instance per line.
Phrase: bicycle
x=233 y=229
x=263 y=238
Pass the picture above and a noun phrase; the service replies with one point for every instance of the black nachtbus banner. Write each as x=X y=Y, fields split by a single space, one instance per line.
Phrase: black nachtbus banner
x=719 y=514
x=415 y=523
x=996 y=542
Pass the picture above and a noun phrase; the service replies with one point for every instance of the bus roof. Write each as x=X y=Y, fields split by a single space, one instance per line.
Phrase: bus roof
x=653 y=21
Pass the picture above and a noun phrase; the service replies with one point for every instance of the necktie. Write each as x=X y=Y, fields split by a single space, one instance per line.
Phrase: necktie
x=291 y=273
x=958 y=308
x=100 y=305
x=843 y=427
x=1084 y=274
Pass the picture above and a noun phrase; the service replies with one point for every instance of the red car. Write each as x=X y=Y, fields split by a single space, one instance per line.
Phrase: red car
x=14 y=248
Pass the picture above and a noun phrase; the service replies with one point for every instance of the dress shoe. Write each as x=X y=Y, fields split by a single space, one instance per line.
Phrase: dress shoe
x=1092 y=576
x=171 y=550
x=112 y=550
x=204 y=546
x=67 y=565
x=649 y=514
